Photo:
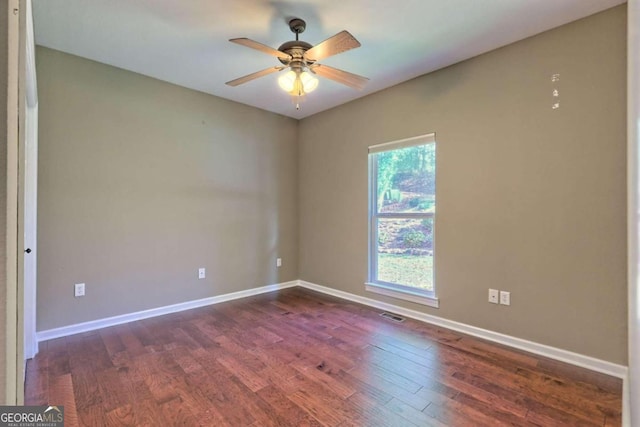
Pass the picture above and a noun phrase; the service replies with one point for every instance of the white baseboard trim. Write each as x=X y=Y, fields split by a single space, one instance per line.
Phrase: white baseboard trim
x=576 y=359
x=561 y=355
x=145 y=314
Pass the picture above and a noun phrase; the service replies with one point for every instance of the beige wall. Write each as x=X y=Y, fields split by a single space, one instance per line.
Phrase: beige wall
x=529 y=199
x=3 y=188
x=142 y=182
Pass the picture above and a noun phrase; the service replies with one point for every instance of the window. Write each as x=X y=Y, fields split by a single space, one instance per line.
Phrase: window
x=402 y=206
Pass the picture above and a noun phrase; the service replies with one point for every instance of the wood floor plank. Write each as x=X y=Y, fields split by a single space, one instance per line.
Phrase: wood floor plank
x=507 y=414
x=61 y=394
x=134 y=386
x=326 y=408
x=351 y=337
x=277 y=363
x=112 y=392
x=249 y=377
x=590 y=398
x=158 y=329
x=151 y=370
x=454 y=414
x=228 y=395
x=122 y=416
x=377 y=394
x=405 y=351
x=411 y=414
x=326 y=377
x=316 y=353
x=565 y=399
x=37 y=382
x=85 y=385
x=372 y=413
x=58 y=358
x=185 y=360
x=289 y=411
x=111 y=341
x=587 y=378
x=131 y=342
x=182 y=339
x=613 y=420
x=197 y=388
x=207 y=326
x=266 y=337
x=373 y=379
x=299 y=358
x=374 y=374
x=489 y=393
x=263 y=412
x=93 y=416
x=176 y=413
x=543 y=415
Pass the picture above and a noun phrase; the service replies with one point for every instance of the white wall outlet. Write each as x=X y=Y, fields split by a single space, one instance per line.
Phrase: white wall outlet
x=278 y=262
x=201 y=273
x=78 y=290
x=493 y=296
x=505 y=298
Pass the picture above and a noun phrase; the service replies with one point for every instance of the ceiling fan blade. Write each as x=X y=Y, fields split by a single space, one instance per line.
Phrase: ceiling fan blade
x=261 y=47
x=334 y=45
x=254 y=76
x=349 y=79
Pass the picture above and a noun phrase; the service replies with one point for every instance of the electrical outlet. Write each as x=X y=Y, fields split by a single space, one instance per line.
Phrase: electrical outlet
x=201 y=273
x=78 y=290
x=505 y=298
x=493 y=296
x=278 y=262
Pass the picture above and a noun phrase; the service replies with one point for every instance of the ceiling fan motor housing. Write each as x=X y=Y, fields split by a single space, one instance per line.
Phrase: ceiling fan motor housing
x=295 y=48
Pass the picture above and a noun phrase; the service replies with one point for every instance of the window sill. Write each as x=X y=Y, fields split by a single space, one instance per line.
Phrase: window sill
x=416 y=297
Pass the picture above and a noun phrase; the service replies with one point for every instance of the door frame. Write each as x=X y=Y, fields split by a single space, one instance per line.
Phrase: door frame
x=631 y=413
x=14 y=364
x=30 y=181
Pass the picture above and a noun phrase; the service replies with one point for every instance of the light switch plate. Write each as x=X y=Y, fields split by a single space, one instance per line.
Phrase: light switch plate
x=505 y=298
x=78 y=290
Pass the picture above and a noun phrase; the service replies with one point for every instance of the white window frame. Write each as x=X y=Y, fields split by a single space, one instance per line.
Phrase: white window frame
x=380 y=287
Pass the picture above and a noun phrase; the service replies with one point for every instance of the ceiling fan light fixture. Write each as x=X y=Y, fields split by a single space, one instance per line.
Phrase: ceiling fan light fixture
x=297 y=83
x=309 y=83
x=287 y=81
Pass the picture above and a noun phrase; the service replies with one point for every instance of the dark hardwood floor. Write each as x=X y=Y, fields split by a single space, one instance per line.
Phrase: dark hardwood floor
x=298 y=358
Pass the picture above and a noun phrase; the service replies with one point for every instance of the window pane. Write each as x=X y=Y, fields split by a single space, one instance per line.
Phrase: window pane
x=405 y=252
x=406 y=179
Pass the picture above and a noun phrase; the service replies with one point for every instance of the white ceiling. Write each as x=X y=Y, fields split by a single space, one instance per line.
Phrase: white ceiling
x=185 y=42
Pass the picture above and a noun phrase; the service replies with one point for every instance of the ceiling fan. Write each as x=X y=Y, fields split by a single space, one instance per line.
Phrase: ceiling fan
x=301 y=59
